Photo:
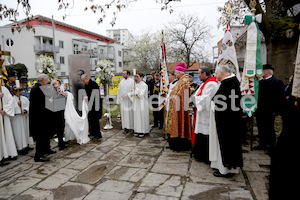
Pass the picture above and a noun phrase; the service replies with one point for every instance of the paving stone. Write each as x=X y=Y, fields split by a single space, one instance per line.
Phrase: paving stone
x=145 y=196
x=127 y=173
x=106 y=195
x=94 y=173
x=116 y=154
x=146 y=150
x=49 y=168
x=57 y=179
x=173 y=158
x=129 y=143
x=152 y=181
x=141 y=161
x=33 y=194
x=115 y=186
x=84 y=161
x=71 y=191
x=171 y=168
x=152 y=142
x=17 y=187
x=258 y=182
x=17 y=171
x=194 y=191
x=203 y=173
x=172 y=187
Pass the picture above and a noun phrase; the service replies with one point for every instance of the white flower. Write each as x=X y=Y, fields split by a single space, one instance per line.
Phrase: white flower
x=98 y=69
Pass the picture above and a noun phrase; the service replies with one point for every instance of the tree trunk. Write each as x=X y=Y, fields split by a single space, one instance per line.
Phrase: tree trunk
x=281 y=54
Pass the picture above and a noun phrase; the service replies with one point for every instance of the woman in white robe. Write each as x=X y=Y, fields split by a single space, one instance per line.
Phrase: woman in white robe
x=76 y=126
x=139 y=98
x=8 y=146
x=20 y=122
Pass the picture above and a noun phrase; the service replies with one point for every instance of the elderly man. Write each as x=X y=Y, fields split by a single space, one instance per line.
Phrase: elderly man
x=178 y=123
x=95 y=113
x=203 y=97
x=125 y=87
x=39 y=120
x=270 y=103
x=225 y=141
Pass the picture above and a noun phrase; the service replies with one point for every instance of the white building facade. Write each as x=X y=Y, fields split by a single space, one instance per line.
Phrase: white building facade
x=27 y=46
x=122 y=36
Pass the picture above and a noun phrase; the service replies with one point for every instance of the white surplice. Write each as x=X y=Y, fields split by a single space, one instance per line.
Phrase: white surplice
x=214 y=146
x=139 y=98
x=8 y=146
x=20 y=123
x=202 y=103
x=126 y=107
x=76 y=126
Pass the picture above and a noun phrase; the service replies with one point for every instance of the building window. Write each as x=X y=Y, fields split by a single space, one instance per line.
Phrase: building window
x=119 y=53
x=76 y=49
x=9 y=42
x=120 y=64
x=11 y=60
x=61 y=44
x=62 y=60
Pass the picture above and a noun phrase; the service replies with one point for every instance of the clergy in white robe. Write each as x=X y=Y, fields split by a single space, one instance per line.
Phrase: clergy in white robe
x=202 y=99
x=8 y=146
x=20 y=122
x=139 y=98
x=126 y=108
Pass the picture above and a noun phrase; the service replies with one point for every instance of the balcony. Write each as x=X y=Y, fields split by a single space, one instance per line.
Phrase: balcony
x=45 y=48
x=56 y=64
x=110 y=56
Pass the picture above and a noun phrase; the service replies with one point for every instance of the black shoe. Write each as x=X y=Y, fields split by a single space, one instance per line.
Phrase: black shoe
x=23 y=152
x=28 y=148
x=161 y=127
x=97 y=137
x=259 y=147
x=141 y=135
x=126 y=130
x=50 y=152
x=154 y=126
x=41 y=159
x=218 y=174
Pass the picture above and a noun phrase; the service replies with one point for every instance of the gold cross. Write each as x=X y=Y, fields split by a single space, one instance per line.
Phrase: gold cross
x=3 y=53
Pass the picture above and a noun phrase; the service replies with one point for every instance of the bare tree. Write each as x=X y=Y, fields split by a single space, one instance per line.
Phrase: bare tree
x=187 y=36
x=144 y=52
x=98 y=7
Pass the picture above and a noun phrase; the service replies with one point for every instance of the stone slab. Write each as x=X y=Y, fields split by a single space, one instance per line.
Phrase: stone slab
x=171 y=168
x=145 y=196
x=140 y=161
x=127 y=173
x=57 y=179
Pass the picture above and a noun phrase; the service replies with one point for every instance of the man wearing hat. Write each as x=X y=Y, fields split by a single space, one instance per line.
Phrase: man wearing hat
x=24 y=86
x=270 y=103
x=12 y=77
x=178 y=123
x=193 y=86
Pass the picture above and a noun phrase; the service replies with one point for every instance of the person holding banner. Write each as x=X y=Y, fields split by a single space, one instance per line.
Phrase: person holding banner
x=270 y=103
x=125 y=87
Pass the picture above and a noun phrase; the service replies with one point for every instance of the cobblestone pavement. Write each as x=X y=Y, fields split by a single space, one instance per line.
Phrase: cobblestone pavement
x=121 y=166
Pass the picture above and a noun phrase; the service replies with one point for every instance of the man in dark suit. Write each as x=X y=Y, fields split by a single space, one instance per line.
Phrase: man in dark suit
x=270 y=103
x=95 y=113
x=39 y=120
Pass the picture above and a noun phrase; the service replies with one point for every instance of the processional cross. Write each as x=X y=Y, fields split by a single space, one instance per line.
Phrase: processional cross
x=2 y=53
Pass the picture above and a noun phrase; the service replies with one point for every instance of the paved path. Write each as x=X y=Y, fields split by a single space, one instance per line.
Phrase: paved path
x=121 y=166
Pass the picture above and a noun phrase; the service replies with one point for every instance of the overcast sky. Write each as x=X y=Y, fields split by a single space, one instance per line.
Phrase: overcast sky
x=138 y=17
